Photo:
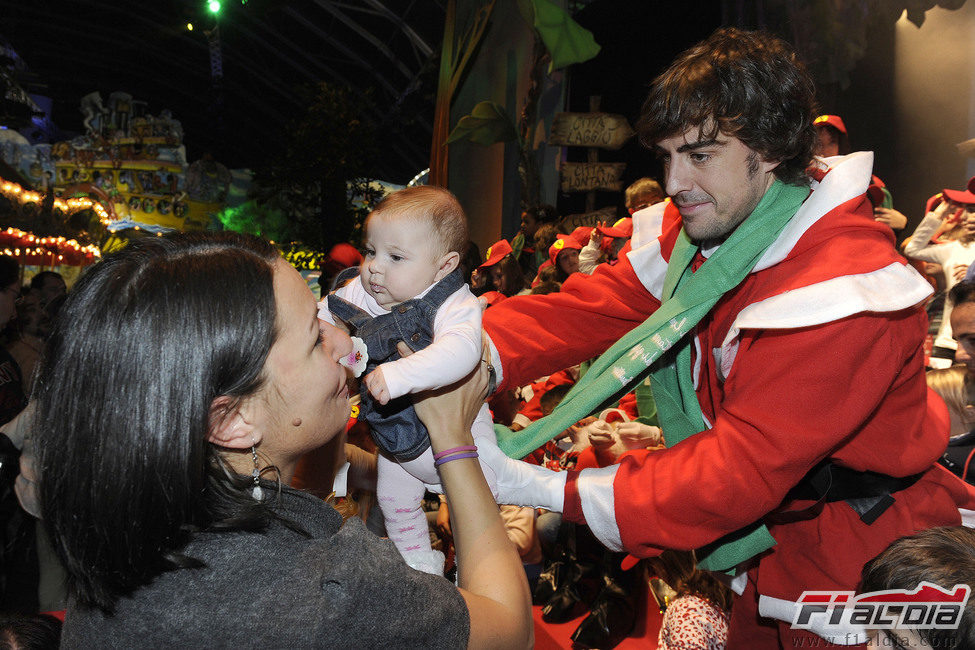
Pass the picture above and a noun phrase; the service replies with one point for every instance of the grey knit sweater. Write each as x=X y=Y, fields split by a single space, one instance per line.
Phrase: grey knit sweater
x=343 y=588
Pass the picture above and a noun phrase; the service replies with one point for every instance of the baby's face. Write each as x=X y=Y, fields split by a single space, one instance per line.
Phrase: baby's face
x=401 y=259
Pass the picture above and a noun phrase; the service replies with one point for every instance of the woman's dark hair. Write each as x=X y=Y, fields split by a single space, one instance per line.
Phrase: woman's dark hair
x=679 y=570
x=37 y=282
x=145 y=342
x=469 y=261
x=749 y=85
x=9 y=271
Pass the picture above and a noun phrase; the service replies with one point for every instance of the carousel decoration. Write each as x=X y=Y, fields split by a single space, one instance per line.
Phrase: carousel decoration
x=30 y=250
x=129 y=163
x=31 y=202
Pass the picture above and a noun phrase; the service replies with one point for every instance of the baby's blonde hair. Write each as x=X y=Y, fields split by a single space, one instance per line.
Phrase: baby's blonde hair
x=430 y=204
x=955 y=387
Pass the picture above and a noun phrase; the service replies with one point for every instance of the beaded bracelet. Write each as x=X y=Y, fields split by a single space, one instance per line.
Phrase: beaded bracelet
x=448 y=452
x=441 y=461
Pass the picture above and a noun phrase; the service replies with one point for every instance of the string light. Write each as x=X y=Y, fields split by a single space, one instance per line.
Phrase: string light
x=70 y=206
x=30 y=249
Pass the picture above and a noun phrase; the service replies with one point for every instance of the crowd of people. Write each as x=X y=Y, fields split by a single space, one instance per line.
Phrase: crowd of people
x=724 y=399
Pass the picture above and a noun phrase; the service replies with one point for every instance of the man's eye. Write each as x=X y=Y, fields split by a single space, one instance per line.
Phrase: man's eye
x=700 y=157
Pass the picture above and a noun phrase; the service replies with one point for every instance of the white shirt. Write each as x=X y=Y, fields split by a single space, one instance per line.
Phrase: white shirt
x=456 y=346
x=947 y=255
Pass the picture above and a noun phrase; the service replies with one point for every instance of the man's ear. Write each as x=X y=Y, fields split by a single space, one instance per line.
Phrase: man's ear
x=229 y=426
x=768 y=166
x=446 y=265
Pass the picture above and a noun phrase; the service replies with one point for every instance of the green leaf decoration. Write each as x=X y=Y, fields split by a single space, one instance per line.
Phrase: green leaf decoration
x=487 y=124
x=567 y=41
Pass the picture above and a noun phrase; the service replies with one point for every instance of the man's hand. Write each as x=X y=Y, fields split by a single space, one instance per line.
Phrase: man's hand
x=601 y=435
x=377 y=386
x=636 y=435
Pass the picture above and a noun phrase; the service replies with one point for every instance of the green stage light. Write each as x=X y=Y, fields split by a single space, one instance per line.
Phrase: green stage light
x=214 y=6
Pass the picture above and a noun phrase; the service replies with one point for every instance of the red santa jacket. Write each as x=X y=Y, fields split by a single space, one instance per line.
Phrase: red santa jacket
x=817 y=354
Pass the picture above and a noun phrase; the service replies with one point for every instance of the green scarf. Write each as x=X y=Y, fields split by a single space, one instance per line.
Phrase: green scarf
x=687 y=298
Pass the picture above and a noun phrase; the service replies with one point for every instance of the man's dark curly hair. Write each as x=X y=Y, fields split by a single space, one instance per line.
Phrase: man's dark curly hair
x=749 y=85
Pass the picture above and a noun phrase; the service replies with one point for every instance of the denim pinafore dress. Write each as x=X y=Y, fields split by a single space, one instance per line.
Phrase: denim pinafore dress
x=395 y=426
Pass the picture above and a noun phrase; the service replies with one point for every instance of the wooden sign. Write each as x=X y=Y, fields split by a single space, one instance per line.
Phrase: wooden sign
x=605 y=130
x=585 y=177
x=572 y=221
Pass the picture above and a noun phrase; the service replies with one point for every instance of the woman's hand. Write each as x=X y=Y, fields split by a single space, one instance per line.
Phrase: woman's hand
x=449 y=412
x=489 y=571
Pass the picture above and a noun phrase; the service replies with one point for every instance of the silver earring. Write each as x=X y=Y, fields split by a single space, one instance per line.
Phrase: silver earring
x=256 y=491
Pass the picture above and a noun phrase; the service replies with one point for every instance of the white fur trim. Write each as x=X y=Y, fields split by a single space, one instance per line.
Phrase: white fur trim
x=848 y=178
x=696 y=370
x=340 y=484
x=785 y=610
x=891 y=288
x=647 y=224
x=967 y=517
x=739 y=582
x=597 y=495
x=521 y=419
x=650 y=267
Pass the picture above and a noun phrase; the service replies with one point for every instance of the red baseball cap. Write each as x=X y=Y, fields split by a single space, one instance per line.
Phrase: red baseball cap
x=497 y=252
x=341 y=256
x=491 y=297
x=834 y=121
x=962 y=196
x=577 y=239
x=622 y=228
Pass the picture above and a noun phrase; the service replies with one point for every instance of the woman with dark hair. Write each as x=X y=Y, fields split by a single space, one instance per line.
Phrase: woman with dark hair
x=12 y=399
x=184 y=379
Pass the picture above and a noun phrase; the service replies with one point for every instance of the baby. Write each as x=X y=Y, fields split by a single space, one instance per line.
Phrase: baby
x=409 y=289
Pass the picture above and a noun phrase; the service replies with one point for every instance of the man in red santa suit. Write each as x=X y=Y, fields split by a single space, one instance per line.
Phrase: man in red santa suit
x=784 y=340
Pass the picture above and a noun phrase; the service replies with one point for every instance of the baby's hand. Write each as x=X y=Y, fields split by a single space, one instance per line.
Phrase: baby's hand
x=377 y=386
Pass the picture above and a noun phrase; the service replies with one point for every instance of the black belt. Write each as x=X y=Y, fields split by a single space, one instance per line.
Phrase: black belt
x=868 y=493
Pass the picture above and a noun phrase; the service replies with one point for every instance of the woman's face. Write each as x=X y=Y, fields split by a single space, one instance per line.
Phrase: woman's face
x=304 y=401
x=8 y=302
